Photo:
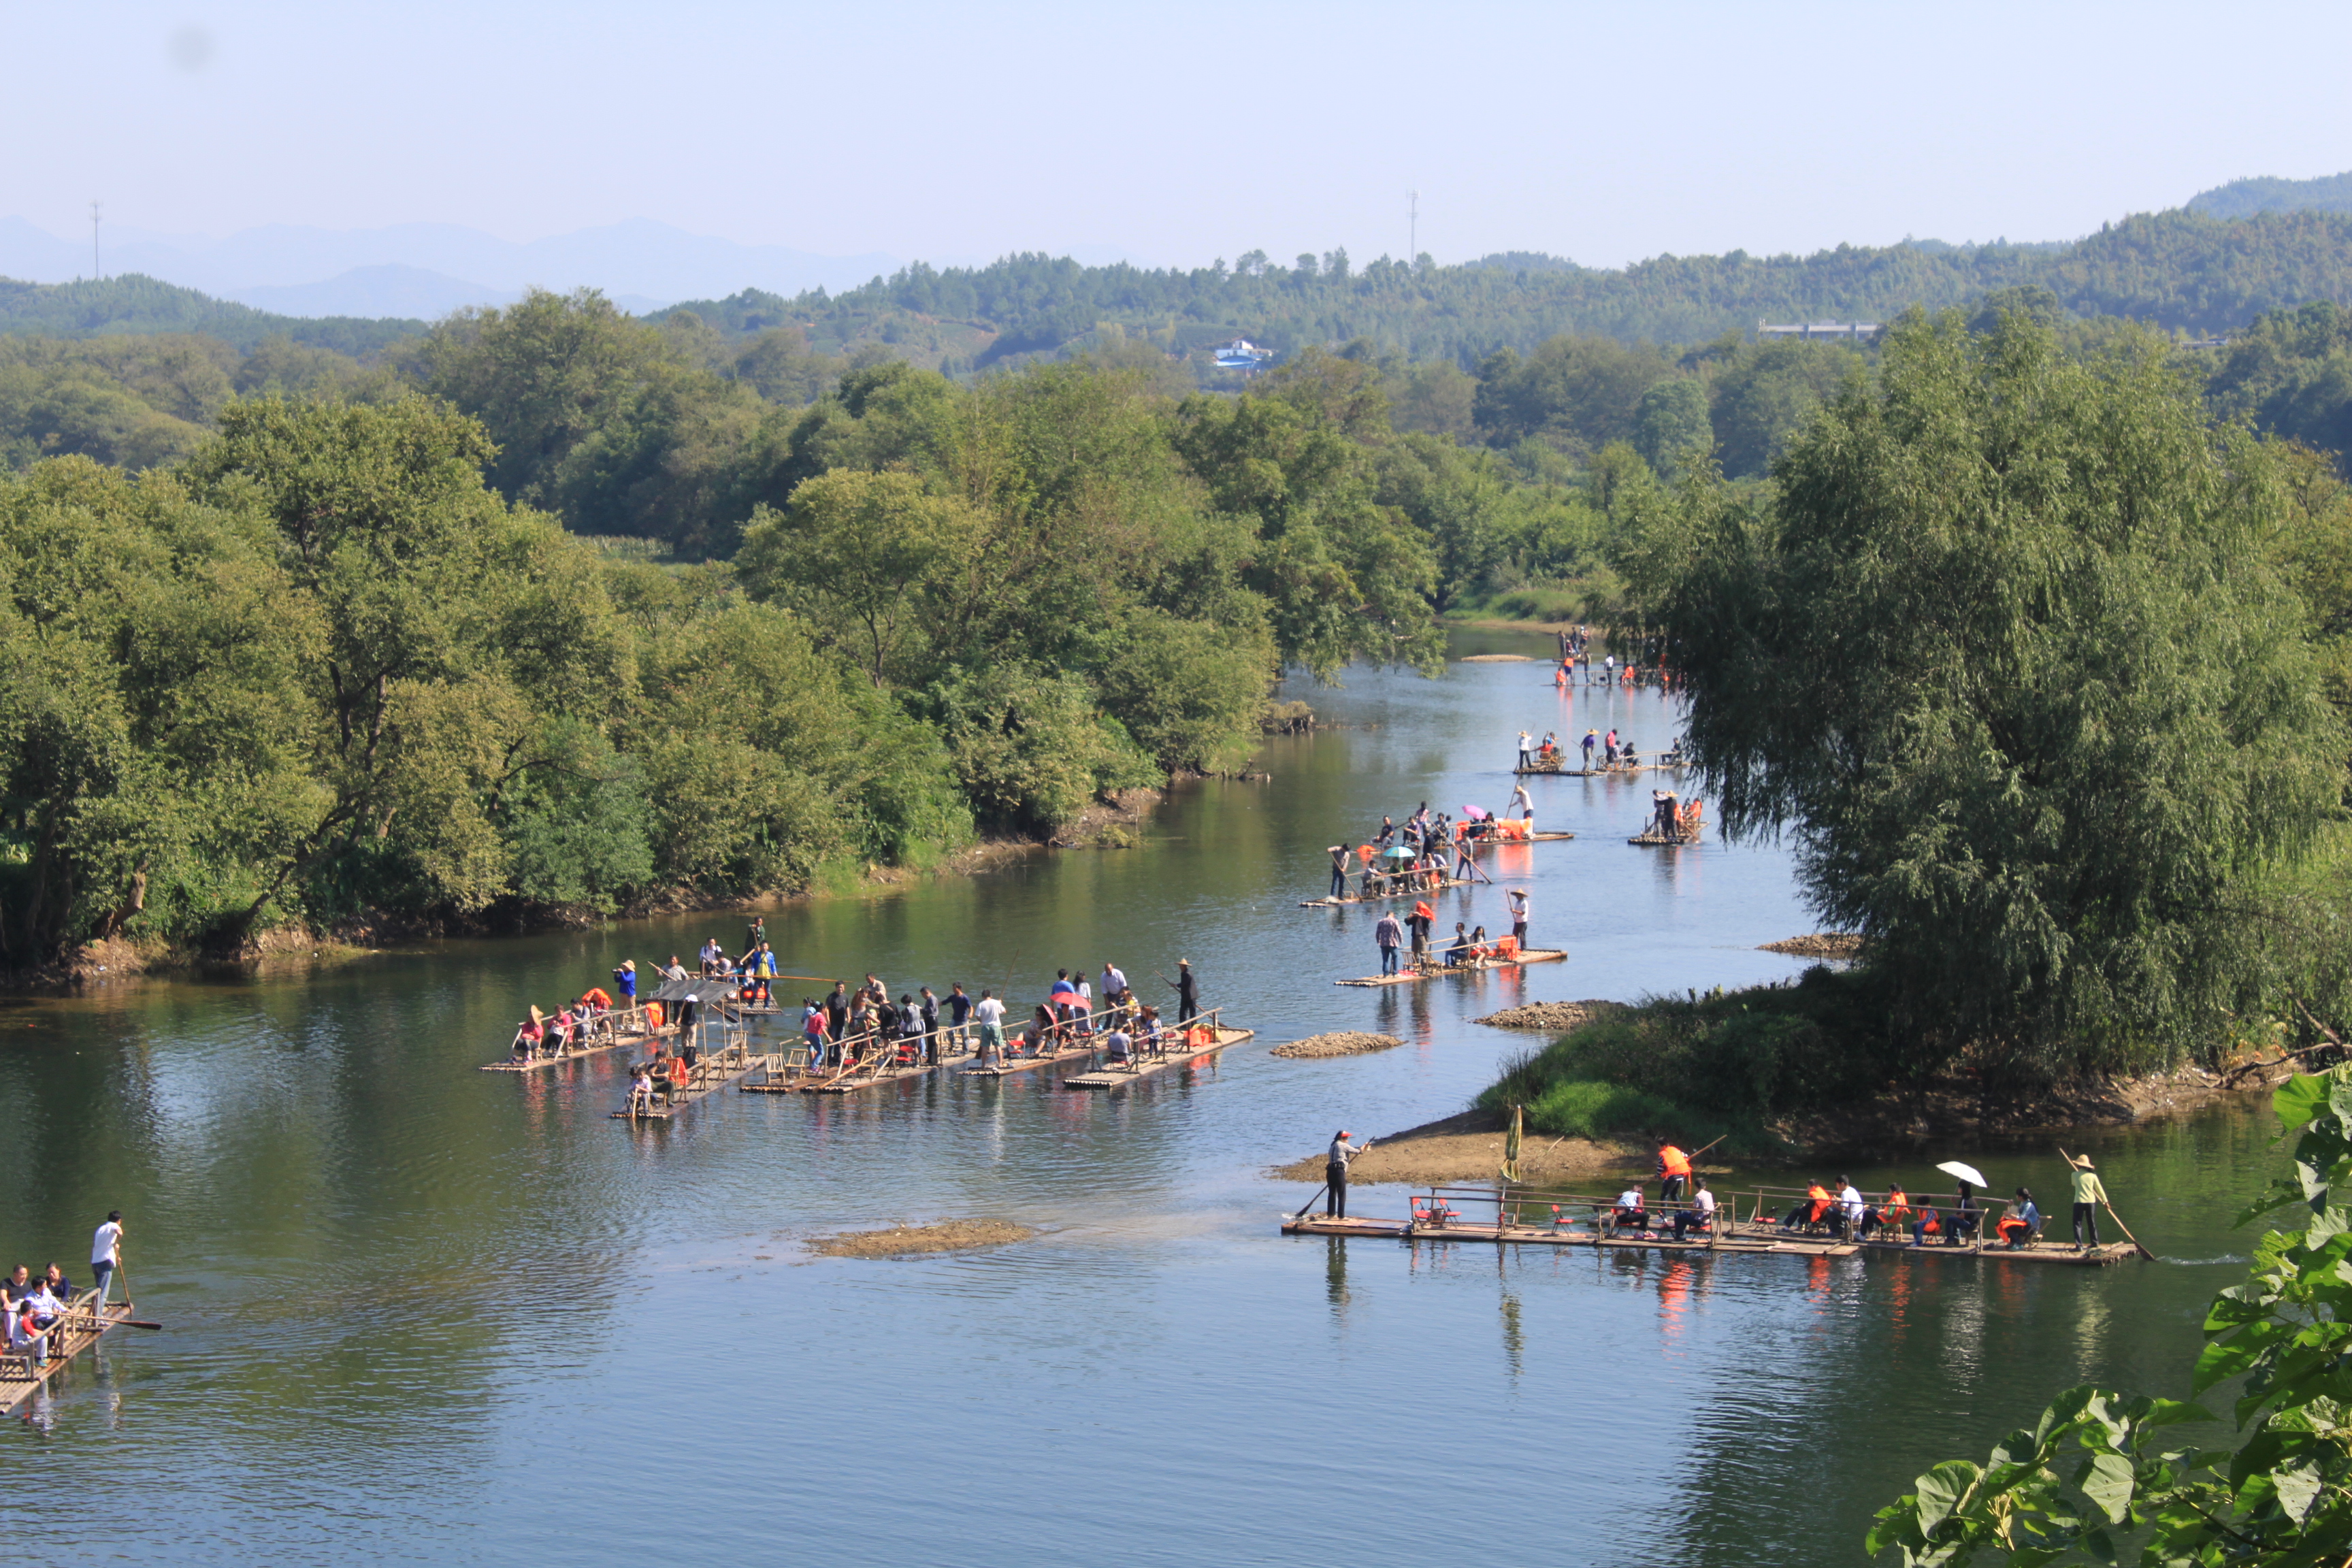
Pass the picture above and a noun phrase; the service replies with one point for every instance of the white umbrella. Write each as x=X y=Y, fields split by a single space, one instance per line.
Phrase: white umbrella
x=1967 y=1174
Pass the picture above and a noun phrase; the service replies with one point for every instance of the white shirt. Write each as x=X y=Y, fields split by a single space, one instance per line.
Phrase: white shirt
x=107 y=1244
x=989 y=1010
x=1087 y=995
x=1518 y=903
x=1113 y=980
x=1851 y=1201
x=1703 y=1200
x=1630 y=1198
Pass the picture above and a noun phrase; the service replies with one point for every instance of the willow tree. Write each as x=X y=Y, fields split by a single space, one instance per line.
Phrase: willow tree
x=2012 y=660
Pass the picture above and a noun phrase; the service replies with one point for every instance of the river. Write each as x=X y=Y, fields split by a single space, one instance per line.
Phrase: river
x=418 y=1311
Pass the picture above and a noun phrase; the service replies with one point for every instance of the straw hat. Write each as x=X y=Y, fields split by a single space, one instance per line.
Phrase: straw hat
x=2081 y=1162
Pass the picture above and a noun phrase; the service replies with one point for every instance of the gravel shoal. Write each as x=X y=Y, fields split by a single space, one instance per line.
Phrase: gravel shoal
x=1345 y=1042
x=900 y=1241
x=1819 y=944
x=1551 y=1017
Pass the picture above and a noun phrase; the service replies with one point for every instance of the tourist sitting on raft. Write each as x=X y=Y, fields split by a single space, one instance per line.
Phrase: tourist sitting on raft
x=2023 y=1222
x=1811 y=1211
x=1958 y=1229
x=1892 y=1213
x=1630 y=1213
x=1700 y=1214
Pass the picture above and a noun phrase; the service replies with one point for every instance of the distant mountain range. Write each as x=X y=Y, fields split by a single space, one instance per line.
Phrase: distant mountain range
x=426 y=271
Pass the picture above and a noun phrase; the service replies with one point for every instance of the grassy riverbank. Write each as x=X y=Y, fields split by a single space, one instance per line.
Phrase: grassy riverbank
x=1813 y=1067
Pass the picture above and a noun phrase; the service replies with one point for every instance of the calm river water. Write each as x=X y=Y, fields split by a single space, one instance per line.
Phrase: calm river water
x=419 y=1312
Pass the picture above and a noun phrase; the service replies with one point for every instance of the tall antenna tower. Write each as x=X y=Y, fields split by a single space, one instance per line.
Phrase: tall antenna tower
x=1412 y=229
x=97 y=274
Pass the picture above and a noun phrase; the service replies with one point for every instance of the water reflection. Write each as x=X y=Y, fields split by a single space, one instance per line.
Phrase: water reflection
x=412 y=1305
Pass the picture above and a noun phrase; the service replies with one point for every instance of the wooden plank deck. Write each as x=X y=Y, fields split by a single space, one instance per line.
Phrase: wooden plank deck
x=578 y=1054
x=1007 y=1065
x=1440 y=971
x=1145 y=1066
x=711 y=1074
x=781 y=1080
x=1386 y=897
x=21 y=1377
x=2043 y=1252
x=1599 y=772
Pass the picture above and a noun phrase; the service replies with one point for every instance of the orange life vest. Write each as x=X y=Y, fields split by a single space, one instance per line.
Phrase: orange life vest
x=1673 y=1162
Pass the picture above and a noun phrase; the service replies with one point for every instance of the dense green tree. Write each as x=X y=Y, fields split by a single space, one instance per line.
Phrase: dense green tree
x=2012 y=660
x=1765 y=394
x=1670 y=423
x=1579 y=392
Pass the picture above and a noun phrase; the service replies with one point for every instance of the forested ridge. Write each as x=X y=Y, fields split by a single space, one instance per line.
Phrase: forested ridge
x=2178 y=270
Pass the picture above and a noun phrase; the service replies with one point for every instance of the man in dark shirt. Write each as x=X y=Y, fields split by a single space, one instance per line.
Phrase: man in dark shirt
x=1187 y=993
x=836 y=1009
x=928 y=1013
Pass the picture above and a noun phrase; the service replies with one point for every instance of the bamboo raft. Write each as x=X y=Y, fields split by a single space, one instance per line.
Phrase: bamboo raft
x=731 y=1063
x=1141 y=1066
x=1670 y=762
x=81 y=1328
x=1652 y=839
x=1579 y=1220
x=1327 y=903
x=1005 y=1066
x=788 y=1071
x=1439 y=971
x=622 y=1028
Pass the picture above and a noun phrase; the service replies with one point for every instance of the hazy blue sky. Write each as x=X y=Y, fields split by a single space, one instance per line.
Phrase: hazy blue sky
x=1181 y=132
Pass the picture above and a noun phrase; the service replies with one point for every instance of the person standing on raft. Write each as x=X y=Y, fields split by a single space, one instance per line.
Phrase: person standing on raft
x=1187 y=993
x=1389 y=934
x=2089 y=1194
x=1673 y=1170
x=1335 y=1175
x=1338 y=870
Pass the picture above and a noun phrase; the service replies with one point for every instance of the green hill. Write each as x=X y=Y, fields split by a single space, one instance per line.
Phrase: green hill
x=2244 y=198
x=134 y=304
x=2182 y=270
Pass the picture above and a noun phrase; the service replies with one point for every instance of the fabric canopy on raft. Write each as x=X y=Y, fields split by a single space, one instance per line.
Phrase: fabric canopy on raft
x=695 y=989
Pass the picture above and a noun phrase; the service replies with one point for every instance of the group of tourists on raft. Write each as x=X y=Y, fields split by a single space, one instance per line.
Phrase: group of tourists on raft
x=591 y=1020
x=1846 y=1215
x=35 y=1306
x=848 y=1028
x=1413 y=859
